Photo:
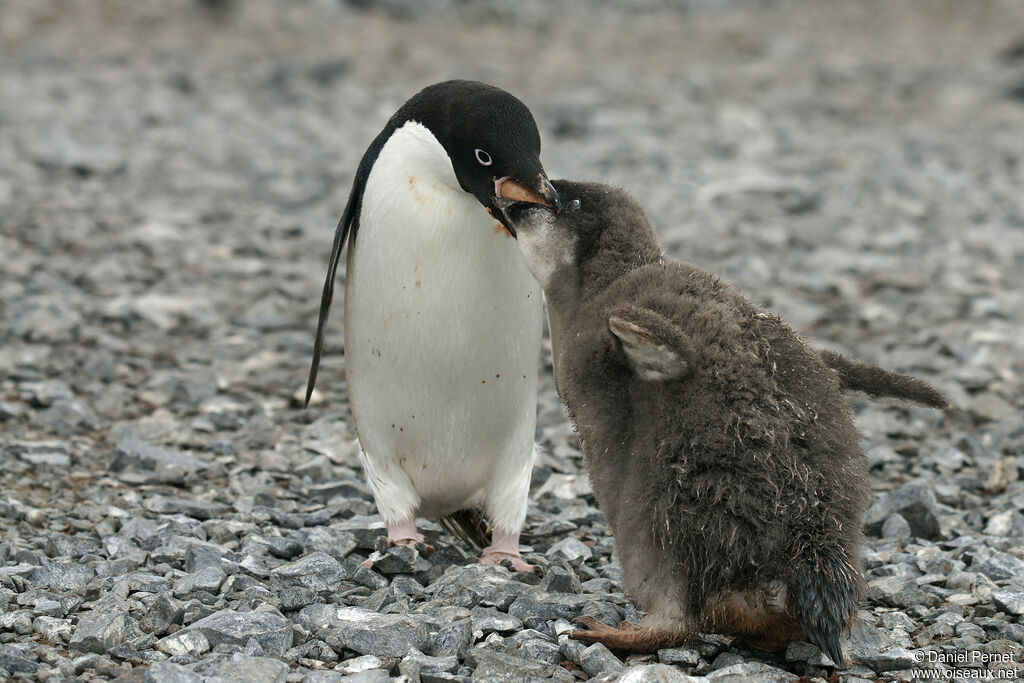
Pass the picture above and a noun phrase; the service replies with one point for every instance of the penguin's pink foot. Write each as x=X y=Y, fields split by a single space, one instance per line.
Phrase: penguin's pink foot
x=627 y=637
x=490 y=558
x=505 y=547
x=405 y=534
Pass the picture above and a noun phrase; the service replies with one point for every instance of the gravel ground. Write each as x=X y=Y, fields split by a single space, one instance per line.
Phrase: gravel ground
x=170 y=177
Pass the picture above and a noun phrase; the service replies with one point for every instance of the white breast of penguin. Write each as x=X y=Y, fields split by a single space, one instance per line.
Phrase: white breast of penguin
x=442 y=329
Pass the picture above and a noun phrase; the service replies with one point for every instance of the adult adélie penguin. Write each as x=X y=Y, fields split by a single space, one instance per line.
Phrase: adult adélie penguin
x=443 y=320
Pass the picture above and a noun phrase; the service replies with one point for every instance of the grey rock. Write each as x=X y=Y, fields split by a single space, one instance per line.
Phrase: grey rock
x=371 y=676
x=996 y=565
x=208 y=579
x=49 y=608
x=871 y=647
x=727 y=659
x=23 y=569
x=560 y=580
x=324 y=676
x=1008 y=523
x=475 y=585
x=137 y=462
x=365 y=632
x=415 y=664
x=184 y=642
x=684 y=656
x=895 y=591
x=453 y=639
x=170 y=672
x=59 y=150
x=598 y=659
x=164 y=611
x=1010 y=601
x=991 y=408
x=488 y=619
x=318 y=572
x=44 y=321
x=234 y=629
x=365 y=576
x=360 y=664
x=535 y=610
x=364 y=530
x=398 y=560
x=68 y=576
x=896 y=528
x=335 y=542
x=495 y=666
x=285 y=548
x=246 y=669
x=193 y=508
x=914 y=502
x=14 y=661
x=571 y=550
x=53 y=629
x=199 y=557
x=18 y=621
x=657 y=673
x=295 y=598
x=51 y=452
x=100 y=631
x=757 y=672
x=533 y=645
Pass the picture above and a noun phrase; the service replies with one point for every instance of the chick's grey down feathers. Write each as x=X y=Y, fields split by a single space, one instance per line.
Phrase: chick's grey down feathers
x=734 y=482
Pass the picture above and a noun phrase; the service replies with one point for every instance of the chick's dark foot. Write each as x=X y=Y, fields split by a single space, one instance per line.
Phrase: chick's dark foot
x=627 y=637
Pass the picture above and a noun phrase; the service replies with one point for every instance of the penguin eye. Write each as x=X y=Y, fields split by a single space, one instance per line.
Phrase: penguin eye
x=483 y=157
x=573 y=205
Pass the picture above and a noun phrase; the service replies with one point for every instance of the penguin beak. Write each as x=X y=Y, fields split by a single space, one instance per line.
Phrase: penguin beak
x=549 y=192
x=540 y=191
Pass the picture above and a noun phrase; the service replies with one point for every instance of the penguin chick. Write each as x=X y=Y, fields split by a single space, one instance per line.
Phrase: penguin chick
x=442 y=318
x=719 y=444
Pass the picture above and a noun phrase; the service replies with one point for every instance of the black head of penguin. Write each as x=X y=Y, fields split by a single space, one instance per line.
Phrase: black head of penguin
x=489 y=136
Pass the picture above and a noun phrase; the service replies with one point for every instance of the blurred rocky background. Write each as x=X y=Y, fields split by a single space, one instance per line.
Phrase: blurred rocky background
x=170 y=177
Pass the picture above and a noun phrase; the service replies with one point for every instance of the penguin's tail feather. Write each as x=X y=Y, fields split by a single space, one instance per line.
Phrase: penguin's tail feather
x=468 y=526
x=875 y=381
x=822 y=595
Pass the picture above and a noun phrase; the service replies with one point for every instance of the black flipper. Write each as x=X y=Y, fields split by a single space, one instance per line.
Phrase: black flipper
x=875 y=381
x=823 y=595
x=347 y=226
x=468 y=526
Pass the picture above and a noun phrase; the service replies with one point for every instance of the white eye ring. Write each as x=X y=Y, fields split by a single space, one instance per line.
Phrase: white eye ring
x=483 y=157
